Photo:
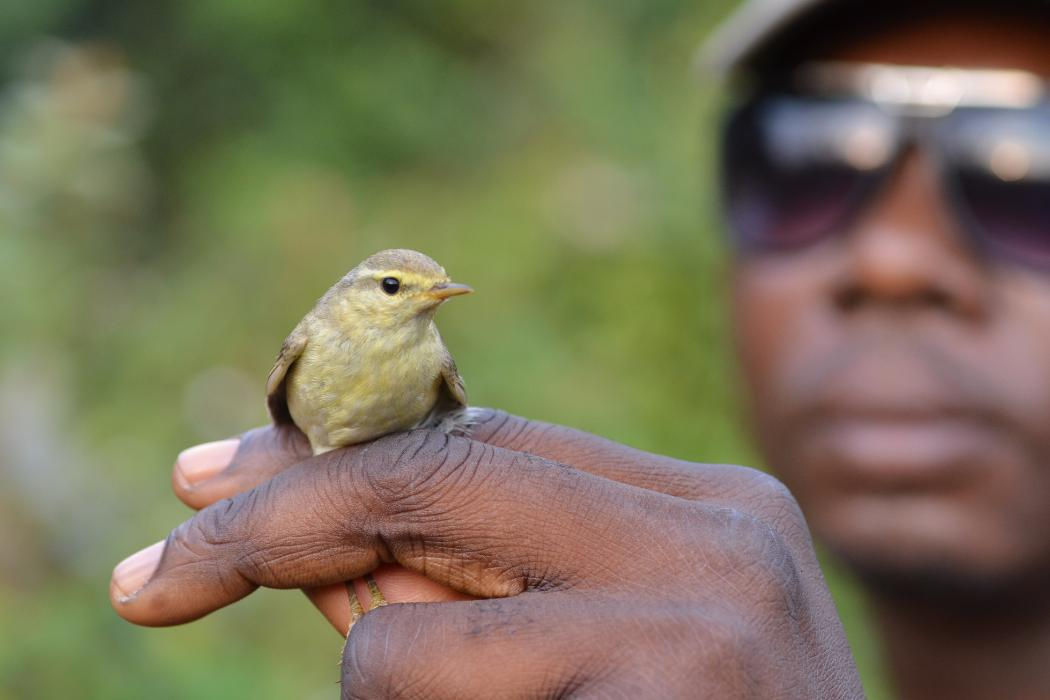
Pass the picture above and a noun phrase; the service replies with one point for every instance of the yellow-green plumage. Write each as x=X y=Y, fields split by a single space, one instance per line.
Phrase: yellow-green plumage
x=364 y=362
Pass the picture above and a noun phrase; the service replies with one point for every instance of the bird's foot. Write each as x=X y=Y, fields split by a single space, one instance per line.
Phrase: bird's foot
x=357 y=611
x=376 y=599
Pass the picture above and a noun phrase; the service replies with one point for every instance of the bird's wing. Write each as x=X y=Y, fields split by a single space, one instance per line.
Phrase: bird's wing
x=454 y=387
x=276 y=396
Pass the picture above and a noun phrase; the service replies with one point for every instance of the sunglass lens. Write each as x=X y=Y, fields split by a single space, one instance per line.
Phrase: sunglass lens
x=999 y=169
x=794 y=169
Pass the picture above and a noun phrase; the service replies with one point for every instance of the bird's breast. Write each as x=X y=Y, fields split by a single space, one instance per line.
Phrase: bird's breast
x=346 y=389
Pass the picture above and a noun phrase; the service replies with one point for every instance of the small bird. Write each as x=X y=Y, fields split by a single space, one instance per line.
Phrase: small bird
x=368 y=360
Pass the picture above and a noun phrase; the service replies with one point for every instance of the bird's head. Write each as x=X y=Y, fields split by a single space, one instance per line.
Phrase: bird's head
x=395 y=287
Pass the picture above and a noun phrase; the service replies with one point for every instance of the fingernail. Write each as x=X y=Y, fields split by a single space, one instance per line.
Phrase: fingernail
x=130 y=575
x=202 y=462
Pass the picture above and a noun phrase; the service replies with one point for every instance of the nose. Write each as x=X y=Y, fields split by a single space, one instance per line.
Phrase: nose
x=907 y=252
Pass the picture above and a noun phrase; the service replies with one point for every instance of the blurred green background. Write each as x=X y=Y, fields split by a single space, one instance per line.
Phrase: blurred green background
x=179 y=180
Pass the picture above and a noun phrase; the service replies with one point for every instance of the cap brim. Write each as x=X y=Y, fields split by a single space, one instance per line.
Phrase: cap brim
x=747 y=31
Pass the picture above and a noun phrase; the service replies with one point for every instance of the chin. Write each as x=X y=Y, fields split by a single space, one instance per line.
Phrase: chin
x=947 y=508
x=931 y=549
x=948 y=584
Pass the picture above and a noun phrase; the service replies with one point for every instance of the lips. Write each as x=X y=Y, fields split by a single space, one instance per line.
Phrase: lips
x=894 y=415
x=879 y=450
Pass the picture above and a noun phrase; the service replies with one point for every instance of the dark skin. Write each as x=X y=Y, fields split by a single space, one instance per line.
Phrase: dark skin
x=609 y=571
x=900 y=386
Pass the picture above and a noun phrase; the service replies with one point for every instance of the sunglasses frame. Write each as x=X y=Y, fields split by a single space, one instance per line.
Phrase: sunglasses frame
x=921 y=90
x=916 y=99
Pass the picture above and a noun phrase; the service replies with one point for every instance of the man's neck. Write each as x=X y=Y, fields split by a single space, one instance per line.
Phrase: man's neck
x=938 y=652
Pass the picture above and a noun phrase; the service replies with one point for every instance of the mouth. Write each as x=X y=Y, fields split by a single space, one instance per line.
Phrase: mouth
x=892 y=449
x=897 y=417
x=447 y=290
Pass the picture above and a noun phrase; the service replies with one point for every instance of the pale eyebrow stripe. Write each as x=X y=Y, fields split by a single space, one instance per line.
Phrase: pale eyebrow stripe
x=409 y=277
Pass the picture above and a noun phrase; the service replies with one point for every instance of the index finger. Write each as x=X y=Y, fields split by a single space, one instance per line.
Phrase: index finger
x=484 y=521
x=201 y=477
x=606 y=458
x=269 y=450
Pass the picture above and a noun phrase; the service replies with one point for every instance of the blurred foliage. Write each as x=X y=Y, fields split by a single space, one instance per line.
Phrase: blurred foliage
x=179 y=180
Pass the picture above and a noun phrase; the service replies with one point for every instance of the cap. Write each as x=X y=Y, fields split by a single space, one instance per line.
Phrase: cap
x=754 y=25
x=759 y=25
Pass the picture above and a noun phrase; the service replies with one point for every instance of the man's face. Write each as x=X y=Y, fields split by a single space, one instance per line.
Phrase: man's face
x=900 y=381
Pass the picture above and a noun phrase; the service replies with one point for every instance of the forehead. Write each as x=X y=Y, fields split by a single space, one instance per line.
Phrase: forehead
x=402 y=261
x=966 y=37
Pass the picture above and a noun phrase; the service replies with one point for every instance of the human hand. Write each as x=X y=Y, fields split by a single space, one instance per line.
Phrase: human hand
x=205 y=474
x=626 y=571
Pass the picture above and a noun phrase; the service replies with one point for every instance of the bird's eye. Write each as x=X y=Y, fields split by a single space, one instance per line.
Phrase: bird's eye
x=391 y=285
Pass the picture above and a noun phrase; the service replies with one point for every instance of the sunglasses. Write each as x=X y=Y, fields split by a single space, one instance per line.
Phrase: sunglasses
x=800 y=163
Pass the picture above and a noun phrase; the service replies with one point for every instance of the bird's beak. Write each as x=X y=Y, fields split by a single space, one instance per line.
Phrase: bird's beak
x=444 y=290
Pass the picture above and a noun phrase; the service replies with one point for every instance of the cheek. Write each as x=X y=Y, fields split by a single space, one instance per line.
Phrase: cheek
x=1018 y=354
x=777 y=317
